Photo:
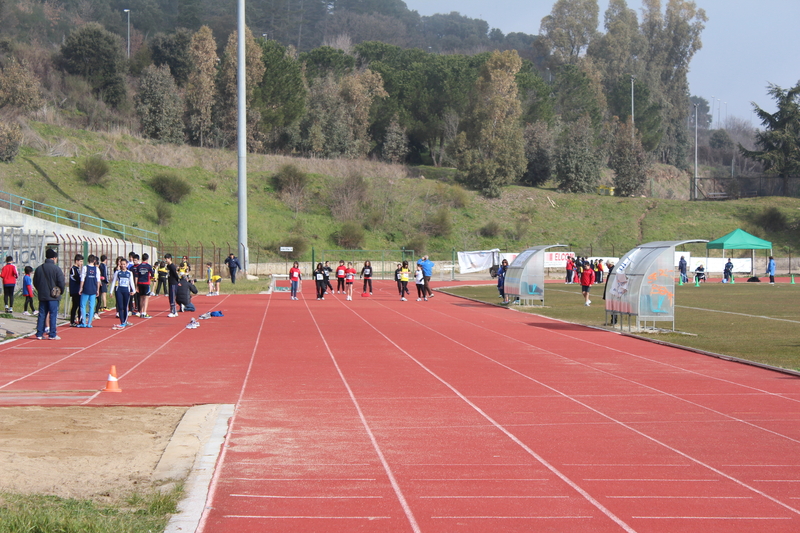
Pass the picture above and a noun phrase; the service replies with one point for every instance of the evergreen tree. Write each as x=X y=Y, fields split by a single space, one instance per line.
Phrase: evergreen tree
x=97 y=55
x=174 y=51
x=569 y=29
x=19 y=86
x=539 y=153
x=281 y=94
x=159 y=105
x=491 y=152
x=200 y=85
x=779 y=141
x=225 y=108
x=629 y=161
x=577 y=161
x=395 y=143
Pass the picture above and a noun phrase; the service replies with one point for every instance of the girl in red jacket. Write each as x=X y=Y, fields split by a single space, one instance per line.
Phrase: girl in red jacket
x=9 y=275
x=587 y=279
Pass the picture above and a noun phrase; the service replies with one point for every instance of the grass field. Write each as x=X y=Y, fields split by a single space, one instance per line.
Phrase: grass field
x=139 y=513
x=754 y=321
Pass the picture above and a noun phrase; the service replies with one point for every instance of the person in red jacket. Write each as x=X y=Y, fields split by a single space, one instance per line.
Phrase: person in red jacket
x=295 y=276
x=350 y=278
x=340 y=273
x=9 y=274
x=587 y=279
x=570 y=270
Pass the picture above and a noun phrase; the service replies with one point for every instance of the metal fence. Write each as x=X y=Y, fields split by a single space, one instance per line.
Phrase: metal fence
x=747 y=186
x=77 y=220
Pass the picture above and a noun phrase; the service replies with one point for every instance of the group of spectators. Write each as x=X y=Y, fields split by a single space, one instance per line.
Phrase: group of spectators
x=91 y=279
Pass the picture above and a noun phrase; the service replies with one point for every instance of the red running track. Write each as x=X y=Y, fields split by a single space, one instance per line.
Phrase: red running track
x=446 y=415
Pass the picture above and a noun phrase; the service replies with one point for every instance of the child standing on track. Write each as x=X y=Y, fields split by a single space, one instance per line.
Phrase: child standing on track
x=27 y=292
x=90 y=289
x=162 y=278
x=295 y=276
x=75 y=289
x=350 y=278
x=9 y=275
x=144 y=274
x=587 y=278
x=122 y=286
x=366 y=273
x=419 y=279
x=319 y=278
x=404 y=272
x=340 y=273
x=104 y=277
x=327 y=269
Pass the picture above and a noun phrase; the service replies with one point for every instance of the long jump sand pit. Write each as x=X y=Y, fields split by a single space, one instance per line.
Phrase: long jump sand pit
x=101 y=453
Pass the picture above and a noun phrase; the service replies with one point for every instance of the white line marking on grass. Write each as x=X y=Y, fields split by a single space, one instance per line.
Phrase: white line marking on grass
x=388 y=469
x=589 y=498
x=740 y=314
x=212 y=489
x=586 y=406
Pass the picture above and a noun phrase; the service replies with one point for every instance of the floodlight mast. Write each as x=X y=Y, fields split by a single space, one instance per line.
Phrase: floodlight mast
x=241 y=133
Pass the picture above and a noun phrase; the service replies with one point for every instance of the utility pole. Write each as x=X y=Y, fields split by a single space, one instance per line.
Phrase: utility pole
x=633 y=120
x=693 y=194
x=128 y=11
x=241 y=132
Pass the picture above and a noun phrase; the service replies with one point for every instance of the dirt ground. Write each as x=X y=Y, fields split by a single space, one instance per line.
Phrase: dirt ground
x=101 y=453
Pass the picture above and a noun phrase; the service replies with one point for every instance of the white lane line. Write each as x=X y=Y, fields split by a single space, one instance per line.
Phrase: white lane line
x=395 y=485
x=626 y=465
x=50 y=347
x=494 y=497
x=681 y=497
x=621 y=378
x=215 y=480
x=513 y=517
x=301 y=479
x=611 y=348
x=590 y=408
x=777 y=480
x=280 y=497
x=651 y=479
x=478 y=479
x=589 y=498
x=300 y=517
x=713 y=517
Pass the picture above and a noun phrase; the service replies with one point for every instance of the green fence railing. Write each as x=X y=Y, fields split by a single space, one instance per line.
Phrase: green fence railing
x=77 y=220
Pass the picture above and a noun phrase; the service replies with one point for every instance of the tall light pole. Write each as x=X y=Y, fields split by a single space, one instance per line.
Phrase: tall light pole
x=719 y=112
x=128 y=11
x=694 y=185
x=241 y=132
x=633 y=120
x=711 y=125
x=726 y=115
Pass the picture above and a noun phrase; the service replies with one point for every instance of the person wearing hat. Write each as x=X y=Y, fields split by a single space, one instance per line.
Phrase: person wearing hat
x=233 y=265
x=49 y=282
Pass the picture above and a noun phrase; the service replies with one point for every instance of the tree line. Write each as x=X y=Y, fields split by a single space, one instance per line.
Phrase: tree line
x=571 y=101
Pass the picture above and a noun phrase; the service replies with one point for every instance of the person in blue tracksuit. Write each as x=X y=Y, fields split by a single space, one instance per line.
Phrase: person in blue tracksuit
x=89 y=291
x=771 y=270
x=501 y=280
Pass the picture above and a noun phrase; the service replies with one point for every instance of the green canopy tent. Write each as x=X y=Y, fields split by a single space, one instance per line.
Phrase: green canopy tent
x=739 y=239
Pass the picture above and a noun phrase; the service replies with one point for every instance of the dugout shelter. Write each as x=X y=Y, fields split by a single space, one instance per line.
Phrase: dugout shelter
x=641 y=287
x=525 y=275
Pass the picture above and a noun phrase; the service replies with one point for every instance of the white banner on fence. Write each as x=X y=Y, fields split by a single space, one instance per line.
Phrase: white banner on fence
x=477 y=261
x=557 y=259
x=717 y=264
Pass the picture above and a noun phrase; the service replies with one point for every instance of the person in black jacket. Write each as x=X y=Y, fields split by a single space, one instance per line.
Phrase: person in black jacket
x=46 y=278
x=185 y=290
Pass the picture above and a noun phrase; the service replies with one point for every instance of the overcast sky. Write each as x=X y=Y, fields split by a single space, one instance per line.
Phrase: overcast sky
x=746 y=45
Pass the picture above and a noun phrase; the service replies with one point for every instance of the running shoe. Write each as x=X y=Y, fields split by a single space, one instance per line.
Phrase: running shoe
x=26 y=313
x=146 y=316
x=96 y=316
x=172 y=315
x=403 y=300
x=56 y=338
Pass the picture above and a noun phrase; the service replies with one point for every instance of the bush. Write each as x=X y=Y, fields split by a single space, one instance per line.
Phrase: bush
x=170 y=187
x=163 y=213
x=299 y=245
x=289 y=178
x=94 y=170
x=491 y=229
x=10 y=141
x=418 y=243
x=350 y=236
x=772 y=219
x=438 y=223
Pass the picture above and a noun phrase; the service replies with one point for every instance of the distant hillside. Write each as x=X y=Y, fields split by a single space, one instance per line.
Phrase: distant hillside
x=395 y=207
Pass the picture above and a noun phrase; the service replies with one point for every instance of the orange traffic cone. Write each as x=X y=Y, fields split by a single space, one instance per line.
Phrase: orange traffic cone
x=112 y=385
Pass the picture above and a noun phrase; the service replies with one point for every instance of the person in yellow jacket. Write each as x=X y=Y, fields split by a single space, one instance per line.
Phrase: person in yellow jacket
x=404 y=273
